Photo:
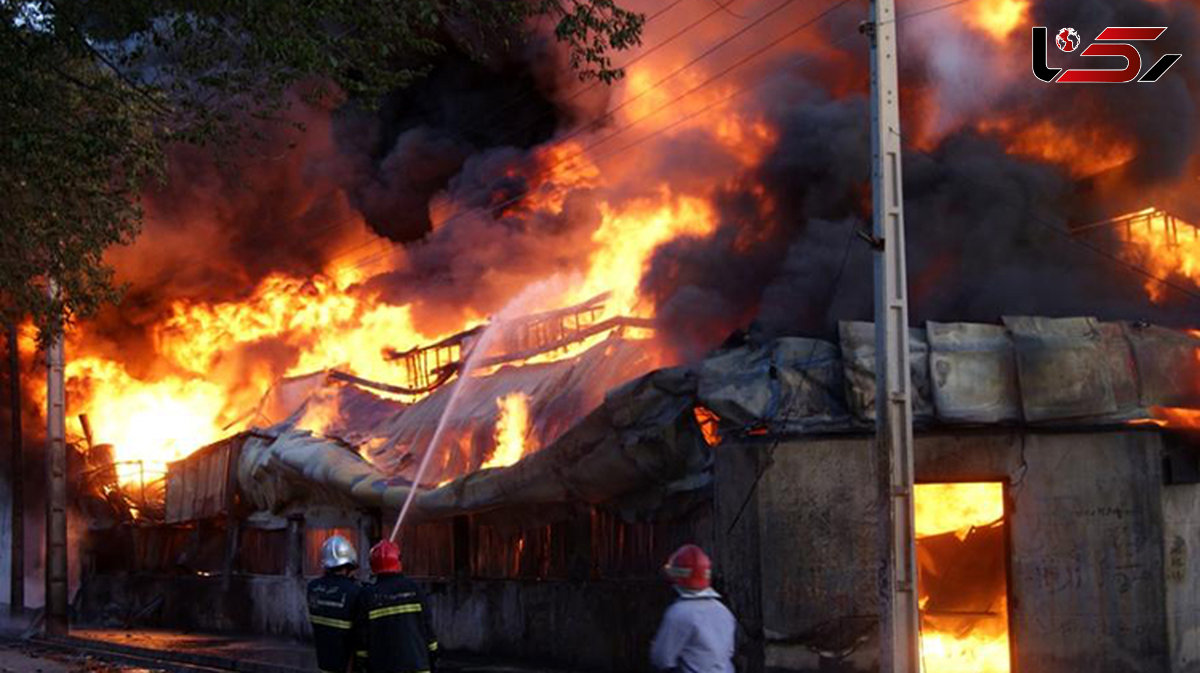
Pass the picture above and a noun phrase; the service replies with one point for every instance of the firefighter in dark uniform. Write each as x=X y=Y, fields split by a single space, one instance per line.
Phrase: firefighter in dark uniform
x=333 y=604
x=399 y=636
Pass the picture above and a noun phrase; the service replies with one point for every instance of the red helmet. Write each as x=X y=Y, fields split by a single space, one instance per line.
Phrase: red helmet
x=385 y=558
x=689 y=568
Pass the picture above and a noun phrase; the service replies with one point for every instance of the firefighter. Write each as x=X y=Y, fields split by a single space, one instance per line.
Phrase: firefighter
x=697 y=631
x=399 y=636
x=333 y=604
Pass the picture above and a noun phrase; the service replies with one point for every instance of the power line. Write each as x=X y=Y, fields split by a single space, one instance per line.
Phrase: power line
x=1112 y=257
x=662 y=11
x=699 y=57
x=712 y=49
x=521 y=194
x=583 y=152
x=528 y=125
x=582 y=128
x=641 y=55
x=712 y=78
x=1097 y=250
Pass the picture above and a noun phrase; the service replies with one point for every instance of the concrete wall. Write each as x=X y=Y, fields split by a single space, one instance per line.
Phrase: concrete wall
x=795 y=528
x=273 y=605
x=738 y=570
x=1085 y=528
x=599 y=625
x=1181 y=548
x=1087 y=564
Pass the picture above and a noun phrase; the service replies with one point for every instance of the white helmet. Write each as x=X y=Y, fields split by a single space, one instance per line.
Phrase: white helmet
x=337 y=552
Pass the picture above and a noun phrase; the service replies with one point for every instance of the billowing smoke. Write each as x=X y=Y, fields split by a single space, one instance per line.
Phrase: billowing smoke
x=983 y=221
x=406 y=152
x=292 y=200
x=486 y=178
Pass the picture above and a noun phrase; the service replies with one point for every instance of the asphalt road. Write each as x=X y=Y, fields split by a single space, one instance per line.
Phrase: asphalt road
x=26 y=658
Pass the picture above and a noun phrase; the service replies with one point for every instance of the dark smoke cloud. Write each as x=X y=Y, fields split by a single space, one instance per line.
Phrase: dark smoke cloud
x=458 y=141
x=981 y=243
x=482 y=256
x=420 y=138
x=291 y=200
x=395 y=198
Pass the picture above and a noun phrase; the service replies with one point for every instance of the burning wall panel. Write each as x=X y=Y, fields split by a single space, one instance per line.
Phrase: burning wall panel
x=201 y=487
x=429 y=549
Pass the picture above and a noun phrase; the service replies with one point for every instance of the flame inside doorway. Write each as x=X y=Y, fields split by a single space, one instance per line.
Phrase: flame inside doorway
x=962 y=578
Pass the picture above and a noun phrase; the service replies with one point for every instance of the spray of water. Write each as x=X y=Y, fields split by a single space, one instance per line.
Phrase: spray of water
x=536 y=296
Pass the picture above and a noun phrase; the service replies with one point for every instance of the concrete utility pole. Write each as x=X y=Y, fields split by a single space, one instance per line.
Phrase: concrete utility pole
x=16 y=592
x=56 y=487
x=899 y=628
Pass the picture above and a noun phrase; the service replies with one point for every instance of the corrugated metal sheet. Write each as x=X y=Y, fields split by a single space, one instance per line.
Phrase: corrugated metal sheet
x=641 y=444
x=858 y=359
x=973 y=373
x=199 y=486
x=1168 y=368
x=1061 y=369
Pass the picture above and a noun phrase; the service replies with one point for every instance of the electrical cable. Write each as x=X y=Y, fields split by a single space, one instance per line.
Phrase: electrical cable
x=584 y=152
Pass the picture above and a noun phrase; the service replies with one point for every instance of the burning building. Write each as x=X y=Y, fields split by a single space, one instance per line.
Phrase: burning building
x=1054 y=522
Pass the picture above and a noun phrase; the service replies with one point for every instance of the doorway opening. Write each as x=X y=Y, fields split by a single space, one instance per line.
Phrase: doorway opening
x=962 y=577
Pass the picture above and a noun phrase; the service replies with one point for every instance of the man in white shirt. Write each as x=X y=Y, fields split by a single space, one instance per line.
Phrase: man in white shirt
x=697 y=631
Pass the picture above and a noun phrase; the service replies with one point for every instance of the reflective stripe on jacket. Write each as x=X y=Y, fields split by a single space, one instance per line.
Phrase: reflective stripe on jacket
x=332 y=607
x=696 y=635
x=399 y=636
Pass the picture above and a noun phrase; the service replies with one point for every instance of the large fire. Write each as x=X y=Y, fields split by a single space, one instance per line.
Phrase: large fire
x=212 y=360
x=206 y=381
x=1084 y=151
x=1163 y=245
x=513 y=432
x=972 y=639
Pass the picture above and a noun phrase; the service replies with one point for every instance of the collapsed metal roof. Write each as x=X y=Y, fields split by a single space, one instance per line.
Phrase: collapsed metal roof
x=640 y=442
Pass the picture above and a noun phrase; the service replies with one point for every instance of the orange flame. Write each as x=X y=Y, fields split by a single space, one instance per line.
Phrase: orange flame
x=709 y=423
x=998 y=18
x=946 y=508
x=1084 y=151
x=627 y=238
x=1162 y=244
x=148 y=423
x=1174 y=417
x=950 y=644
x=208 y=371
x=512 y=435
